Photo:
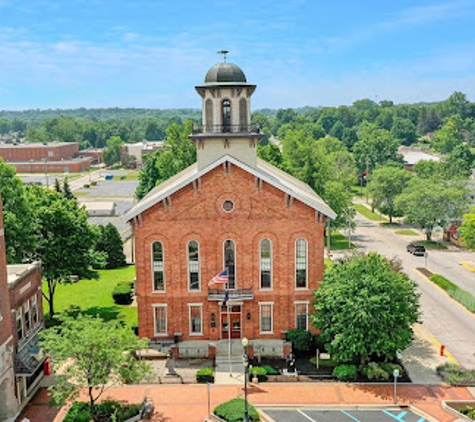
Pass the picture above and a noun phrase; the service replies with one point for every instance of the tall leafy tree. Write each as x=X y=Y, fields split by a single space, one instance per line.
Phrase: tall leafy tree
x=365 y=308
x=18 y=215
x=94 y=355
x=270 y=153
x=404 y=131
x=64 y=239
x=449 y=135
x=427 y=201
x=112 y=152
x=468 y=229
x=111 y=243
x=385 y=185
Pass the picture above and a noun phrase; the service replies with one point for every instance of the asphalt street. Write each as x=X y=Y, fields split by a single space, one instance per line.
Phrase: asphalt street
x=450 y=323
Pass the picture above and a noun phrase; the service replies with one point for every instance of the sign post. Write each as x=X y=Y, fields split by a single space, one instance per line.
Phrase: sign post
x=395 y=375
x=426 y=255
x=208 y=388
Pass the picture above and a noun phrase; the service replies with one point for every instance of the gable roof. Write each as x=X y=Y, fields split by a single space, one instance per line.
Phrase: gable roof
x=265 y=171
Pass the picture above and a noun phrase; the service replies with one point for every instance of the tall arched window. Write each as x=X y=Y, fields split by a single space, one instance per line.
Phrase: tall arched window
x=243 y=114
x=158 y=270
x=301 y=264
x=209 y=115
x=226 y=116
x=265 y=252
x=193 y=265
x=230 y=262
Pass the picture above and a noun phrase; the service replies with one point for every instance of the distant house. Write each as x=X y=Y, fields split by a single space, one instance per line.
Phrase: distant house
x=21 y=319
x=137 y=151
x=412 y=156
x=99 y=208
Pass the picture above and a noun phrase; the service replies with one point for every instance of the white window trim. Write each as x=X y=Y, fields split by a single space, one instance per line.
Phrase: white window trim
x=306 y=303
x=306 y=264
x=267 y=289
x=195 y=305
x=271 y=304
x=235 y=262
x=34 y=306
x=153 y=269
x=188 y=266
x=154 y=307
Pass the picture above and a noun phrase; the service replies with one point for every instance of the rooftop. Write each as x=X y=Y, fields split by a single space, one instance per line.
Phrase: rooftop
x=16 y=272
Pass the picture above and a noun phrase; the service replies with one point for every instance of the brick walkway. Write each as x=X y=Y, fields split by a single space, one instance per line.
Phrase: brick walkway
x=188 y=403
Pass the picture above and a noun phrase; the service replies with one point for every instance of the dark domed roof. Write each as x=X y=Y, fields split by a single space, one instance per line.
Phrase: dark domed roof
x=225 y=72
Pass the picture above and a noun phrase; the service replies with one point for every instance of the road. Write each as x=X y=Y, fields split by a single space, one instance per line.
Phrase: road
x=450 y=323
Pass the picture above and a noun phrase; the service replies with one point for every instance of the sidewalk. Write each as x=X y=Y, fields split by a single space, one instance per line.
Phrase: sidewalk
x=189 y=403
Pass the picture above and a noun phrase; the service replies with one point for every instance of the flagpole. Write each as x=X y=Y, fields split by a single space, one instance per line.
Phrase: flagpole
x=229 y=327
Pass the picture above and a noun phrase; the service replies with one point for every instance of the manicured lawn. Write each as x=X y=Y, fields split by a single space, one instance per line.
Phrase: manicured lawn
x=95 y=296
x=338 y=242
x=406 y=232
x=366 y=212
x=132 y=175
x=431 y=244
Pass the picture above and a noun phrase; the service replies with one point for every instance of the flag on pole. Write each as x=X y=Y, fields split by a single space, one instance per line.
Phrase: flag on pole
x=226 y=298
x=221 y=278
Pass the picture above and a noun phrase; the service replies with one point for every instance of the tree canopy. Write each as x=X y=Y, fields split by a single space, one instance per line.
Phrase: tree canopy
x=365 y=309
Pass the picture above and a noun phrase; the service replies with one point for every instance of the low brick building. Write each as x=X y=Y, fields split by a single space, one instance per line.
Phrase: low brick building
x=21 y=319
x=232 y=211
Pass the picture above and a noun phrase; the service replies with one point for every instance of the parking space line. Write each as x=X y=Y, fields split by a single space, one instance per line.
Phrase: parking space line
x=400 y=417
x=308 y=417
x=350 y=416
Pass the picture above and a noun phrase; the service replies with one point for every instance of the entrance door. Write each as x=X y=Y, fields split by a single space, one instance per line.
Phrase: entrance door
x=235 y=323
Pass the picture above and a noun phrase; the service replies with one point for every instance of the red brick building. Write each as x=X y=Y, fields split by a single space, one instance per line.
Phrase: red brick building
x=229 y=210
x=21 y=319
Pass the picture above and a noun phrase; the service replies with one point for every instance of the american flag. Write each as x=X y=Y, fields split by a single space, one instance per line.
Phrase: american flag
x=221 y=278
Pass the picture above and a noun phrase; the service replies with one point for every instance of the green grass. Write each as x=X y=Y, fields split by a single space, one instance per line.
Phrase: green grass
x=338 y=242
x=324 y=362
x=81 y=193
x=455 y=292
x=388 y=224
x=406 y=232
x=133 y=175
x=431 y=244
x=366 y=212
x=359 y=191
x=95 y=296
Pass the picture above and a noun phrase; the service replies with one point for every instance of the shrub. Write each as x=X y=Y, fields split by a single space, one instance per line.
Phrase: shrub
x=345 y=372
x=390 y=367
x=86 y=186
x=456 y=374
x=468 y=411
x=301 y=340
x=123 y=177
x=93 y=183
x=270 y=370
x=122 y=293
x=204 y=376
x=259 y=372
x=80 y=412
x=374 y=372
x=233 y=411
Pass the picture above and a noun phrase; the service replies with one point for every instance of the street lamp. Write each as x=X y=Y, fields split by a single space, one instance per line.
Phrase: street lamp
x=245 y=362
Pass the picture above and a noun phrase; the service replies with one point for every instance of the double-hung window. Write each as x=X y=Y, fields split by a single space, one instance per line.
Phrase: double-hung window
x=160 y=319
x=301 y=270
x=266 y=317
x=193 y=265
x=158 y=268
x=196 y=319
x=265 y=251
x=301 y=316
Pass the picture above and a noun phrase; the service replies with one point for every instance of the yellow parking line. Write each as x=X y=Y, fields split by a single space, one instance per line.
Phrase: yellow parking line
x=446 y=352
x=467 y=266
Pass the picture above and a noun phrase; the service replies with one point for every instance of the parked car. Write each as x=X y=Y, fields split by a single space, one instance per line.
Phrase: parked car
x=416 y=249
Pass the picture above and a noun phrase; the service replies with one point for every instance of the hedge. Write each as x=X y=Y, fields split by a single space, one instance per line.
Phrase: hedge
x=302 y=340
x=122 y=293
x=345 y=372
x=204 y=376
x=233 y=411
x=80 y=411
x=455 y=292
x=259 y=372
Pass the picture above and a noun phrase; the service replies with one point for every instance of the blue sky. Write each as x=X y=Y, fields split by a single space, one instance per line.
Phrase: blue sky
x=124 y=53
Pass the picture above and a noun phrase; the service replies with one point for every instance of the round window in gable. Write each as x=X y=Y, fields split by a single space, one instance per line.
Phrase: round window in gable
x=228 y=205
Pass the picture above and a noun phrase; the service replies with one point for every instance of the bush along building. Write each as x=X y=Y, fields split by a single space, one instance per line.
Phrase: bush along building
x=21 y=318
x=229 y=213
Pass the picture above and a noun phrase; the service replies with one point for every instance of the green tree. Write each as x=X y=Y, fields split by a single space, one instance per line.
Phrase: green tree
x=62 y=231
x=404 y=131
x=67 y=192
x=111 y=243
x=91 y=354
x=385 y=185
x=18 y=215
x=270 y=153
x=112 y=153
x=427 y=201
x=57 y=186
x=468 y=229
x=449 y=135
x=365 y=308
x=337 y=130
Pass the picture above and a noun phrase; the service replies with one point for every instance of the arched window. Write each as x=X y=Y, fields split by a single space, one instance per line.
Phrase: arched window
x=230 y=262
x=226 y=116
x=265 y=252
x=243 y=114
x=301 y=264
x=158 y=270
x=193 y=265
x=209 y=115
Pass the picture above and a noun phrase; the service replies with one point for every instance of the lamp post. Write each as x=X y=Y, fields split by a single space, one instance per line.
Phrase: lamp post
x=245 y=362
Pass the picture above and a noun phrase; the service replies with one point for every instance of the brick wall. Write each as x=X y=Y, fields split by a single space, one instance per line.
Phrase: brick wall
x=197 y=215
x=5 y=323
x=38 y=152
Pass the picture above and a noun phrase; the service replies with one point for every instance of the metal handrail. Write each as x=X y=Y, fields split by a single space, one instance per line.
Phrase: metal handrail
x=237 y=294
x=253 y=128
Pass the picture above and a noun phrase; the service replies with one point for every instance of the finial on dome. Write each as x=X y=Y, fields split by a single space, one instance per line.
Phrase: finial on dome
x=223 y=52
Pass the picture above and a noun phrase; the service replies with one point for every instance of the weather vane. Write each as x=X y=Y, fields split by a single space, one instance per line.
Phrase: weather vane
x=223 y=52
